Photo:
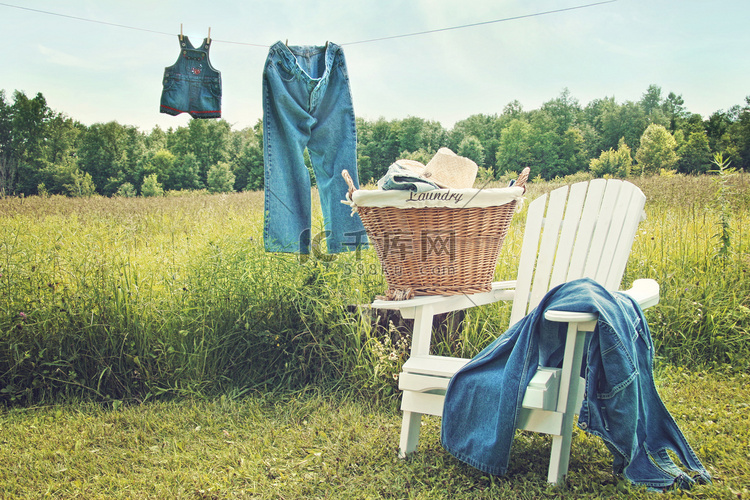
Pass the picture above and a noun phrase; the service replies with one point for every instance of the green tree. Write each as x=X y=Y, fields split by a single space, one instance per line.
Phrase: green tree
x=471 y=148
x=514 y=153
x=62 y=137
x=592 y=122
x=674 y=111
x=513 y=110
x=220 y=178
x=657 y=151
x=545 y=150
x=183 y=174
x=410 y=133
x=420 y=155
x=740 y=131
x=208 y=140
x=433 y=136
x=8 y=160
x=156 y=140
x=364 y=164
x=113 y=154
x=694 y=152
x=651 y=99
x=564 y=111
x=151 y=186
x=573 y=155
x=23 y=135
x=162 y=163
x=487 y=129
x=248 y=166
x=379 y=142
x=628 y=120
x=34 y=142
x=126 y=190
x=718 y=129
x=80 y=184
x=553 y=154
x=613 y=163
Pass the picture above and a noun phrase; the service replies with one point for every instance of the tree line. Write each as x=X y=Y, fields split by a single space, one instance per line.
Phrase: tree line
x=43 y=151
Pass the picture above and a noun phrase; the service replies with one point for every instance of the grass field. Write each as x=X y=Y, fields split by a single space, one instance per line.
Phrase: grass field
x=315 y=444
x=106 y=304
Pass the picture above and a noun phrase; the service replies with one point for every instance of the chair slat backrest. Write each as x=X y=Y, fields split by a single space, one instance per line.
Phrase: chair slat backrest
x=587 y=230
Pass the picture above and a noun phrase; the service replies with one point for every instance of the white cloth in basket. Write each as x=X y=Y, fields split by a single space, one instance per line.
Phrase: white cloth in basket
x=446 y=198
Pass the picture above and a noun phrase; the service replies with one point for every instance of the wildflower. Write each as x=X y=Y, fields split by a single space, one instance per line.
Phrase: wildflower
x=22 y=315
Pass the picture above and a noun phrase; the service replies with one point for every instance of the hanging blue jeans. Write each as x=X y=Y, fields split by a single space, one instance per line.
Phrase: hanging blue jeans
x=307 y=103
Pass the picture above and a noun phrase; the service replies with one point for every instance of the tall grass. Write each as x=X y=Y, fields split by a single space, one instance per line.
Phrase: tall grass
x=124 y=298
x=704 y=317
x=131 y=299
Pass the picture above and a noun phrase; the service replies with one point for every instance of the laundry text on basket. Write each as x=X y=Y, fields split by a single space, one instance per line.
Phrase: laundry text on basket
x=441 y=195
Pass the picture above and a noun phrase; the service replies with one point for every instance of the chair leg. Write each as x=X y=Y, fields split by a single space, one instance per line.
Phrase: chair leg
x=560 y=455
x=410 y=425
x=570 y=386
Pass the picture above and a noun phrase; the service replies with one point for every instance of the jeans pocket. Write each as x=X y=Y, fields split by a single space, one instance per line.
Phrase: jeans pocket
x=283 y=72
x=608 y=389
x=214 y=87
x=170 y=82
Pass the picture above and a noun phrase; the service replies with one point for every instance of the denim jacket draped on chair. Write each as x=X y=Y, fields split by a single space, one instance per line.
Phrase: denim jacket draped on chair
x=620 y=403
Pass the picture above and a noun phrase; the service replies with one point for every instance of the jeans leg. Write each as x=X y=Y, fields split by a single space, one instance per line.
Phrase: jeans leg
x=286 y=127
x=333 y=148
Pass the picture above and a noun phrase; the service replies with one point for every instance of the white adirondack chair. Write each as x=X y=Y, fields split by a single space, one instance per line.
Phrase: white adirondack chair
x=588 y=231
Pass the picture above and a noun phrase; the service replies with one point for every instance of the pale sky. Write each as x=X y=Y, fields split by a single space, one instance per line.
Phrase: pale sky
x=95 y=72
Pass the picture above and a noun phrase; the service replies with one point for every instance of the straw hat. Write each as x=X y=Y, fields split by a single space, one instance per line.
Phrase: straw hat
x=448 y=170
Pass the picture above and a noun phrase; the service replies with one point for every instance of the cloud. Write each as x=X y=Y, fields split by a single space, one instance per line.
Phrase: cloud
x=60 y=58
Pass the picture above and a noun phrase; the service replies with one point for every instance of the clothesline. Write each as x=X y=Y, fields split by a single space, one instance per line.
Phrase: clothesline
x=391 y=37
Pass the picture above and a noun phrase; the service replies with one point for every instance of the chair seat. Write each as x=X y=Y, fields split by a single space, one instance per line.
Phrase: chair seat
x=438 y=366
x=431 y=375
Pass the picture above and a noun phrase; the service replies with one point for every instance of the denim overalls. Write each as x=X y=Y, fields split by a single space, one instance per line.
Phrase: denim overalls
x=621 y=404
x=192 y=85
x=307 y=103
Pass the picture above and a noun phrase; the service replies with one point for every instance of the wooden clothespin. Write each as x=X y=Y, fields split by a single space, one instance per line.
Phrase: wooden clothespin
x=209 y=34
x=180 y=31
x=287 y=42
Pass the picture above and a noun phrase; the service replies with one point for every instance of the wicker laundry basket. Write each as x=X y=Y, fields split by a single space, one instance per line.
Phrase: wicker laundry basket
x=437 y=250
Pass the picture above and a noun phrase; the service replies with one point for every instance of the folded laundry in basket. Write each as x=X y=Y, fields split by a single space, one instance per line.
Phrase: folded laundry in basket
x=404 y=175
x=445 y=170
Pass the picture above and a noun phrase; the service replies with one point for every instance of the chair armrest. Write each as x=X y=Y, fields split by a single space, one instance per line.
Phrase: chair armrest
x=569 y=316
x=644 y=291
x=501 y=290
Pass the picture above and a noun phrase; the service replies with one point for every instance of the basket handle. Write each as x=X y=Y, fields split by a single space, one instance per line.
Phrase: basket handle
x=522 y=178
x=349 y=181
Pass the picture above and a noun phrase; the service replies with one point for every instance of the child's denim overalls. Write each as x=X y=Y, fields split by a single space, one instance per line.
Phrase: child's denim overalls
x=192 y=85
